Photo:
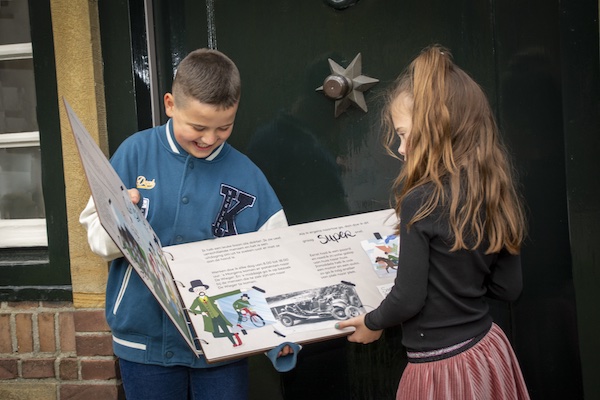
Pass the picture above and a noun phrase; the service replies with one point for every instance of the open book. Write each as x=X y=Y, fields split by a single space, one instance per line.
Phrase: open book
x=240 y=295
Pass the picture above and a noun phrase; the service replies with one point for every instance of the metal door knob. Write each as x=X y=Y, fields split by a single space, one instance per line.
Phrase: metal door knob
x=336 y=86
x=346 y=85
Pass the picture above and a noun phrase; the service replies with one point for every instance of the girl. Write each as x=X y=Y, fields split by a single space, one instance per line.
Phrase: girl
x=461 y=225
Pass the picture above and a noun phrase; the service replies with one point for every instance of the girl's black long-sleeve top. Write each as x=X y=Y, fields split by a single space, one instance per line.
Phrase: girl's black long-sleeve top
x=438 y=295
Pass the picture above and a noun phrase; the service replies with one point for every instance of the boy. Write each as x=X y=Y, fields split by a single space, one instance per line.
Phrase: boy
x=191 y=185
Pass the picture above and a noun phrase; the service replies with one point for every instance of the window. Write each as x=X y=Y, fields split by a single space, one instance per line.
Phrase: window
x=34 y=251
x=22 y=212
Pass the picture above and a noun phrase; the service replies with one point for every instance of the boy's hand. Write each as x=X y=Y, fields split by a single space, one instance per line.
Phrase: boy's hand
x=134 y=195
x=285 y=351
x=362 y=334
x=284 y=356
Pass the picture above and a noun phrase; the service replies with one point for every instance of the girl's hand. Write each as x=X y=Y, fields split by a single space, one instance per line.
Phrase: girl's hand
x=362 y=334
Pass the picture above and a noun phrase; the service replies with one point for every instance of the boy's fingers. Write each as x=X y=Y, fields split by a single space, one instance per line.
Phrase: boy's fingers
x=285 y=351
x=134 y=195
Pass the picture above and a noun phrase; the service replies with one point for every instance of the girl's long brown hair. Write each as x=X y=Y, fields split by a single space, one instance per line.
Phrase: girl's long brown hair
x=454 y=142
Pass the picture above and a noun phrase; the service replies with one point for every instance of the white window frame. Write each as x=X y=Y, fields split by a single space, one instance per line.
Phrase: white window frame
x=21 y=232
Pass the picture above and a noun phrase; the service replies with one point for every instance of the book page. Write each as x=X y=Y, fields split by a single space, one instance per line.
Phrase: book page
x=248 y=293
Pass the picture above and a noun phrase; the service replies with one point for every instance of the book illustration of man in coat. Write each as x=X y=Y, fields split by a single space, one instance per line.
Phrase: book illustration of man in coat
x=212 y=316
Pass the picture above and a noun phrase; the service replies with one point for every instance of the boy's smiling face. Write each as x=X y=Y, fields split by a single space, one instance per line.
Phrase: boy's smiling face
x=199 y=128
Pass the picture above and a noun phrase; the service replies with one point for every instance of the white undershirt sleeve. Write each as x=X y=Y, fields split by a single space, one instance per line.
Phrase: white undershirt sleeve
x=99 y=240
x=277 y=220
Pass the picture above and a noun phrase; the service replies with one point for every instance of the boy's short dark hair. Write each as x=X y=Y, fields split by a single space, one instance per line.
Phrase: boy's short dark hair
x=208 y=76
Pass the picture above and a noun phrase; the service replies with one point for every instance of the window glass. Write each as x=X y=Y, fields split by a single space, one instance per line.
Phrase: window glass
x=14 y=15
x=17 y=96
x=21 y=183
x=21 y=200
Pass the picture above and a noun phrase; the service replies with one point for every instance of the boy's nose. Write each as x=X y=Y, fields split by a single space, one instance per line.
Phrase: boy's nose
x=209 y=138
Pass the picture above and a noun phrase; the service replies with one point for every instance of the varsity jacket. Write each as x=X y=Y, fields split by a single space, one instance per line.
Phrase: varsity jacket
x=185 y=199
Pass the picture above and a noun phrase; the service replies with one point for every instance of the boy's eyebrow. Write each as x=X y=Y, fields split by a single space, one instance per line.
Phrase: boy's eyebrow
x=197 y=126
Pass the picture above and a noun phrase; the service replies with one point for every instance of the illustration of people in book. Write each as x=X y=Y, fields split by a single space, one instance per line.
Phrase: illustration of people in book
x=247 y=314
x=383 y=253
x=387 y=262
x=159 y=279
x=239 y=305
x=214 y=320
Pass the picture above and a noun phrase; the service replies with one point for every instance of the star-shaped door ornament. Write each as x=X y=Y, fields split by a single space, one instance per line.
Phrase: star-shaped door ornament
x=346 y=85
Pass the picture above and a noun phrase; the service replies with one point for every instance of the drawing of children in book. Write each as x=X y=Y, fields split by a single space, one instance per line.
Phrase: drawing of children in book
x=213 y=318
x=390 y=248
x=383 y=253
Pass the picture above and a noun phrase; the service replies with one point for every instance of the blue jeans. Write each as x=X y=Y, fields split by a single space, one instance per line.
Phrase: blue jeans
x=148 y=382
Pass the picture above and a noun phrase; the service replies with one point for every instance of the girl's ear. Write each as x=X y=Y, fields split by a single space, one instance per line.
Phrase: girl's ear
x=169 y=102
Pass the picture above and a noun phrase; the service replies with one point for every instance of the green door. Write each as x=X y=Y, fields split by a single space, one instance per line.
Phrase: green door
x=321 y=165
x=324 y=163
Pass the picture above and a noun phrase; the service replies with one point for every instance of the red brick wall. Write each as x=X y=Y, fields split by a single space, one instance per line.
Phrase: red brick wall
x=52 y=350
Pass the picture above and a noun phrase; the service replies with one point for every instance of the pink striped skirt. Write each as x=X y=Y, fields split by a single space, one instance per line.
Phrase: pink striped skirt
x=487 y=371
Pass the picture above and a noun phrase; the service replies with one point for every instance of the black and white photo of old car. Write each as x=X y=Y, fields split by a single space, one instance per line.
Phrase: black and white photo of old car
x=336 y=302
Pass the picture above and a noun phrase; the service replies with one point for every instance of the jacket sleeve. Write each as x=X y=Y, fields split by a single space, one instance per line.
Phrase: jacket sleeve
x=99 y=240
